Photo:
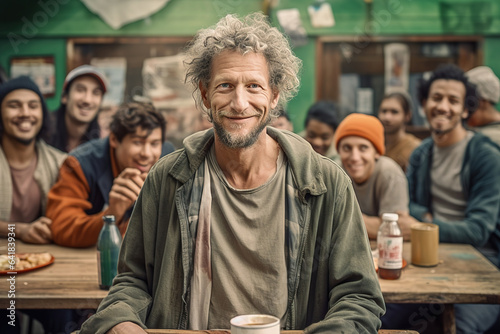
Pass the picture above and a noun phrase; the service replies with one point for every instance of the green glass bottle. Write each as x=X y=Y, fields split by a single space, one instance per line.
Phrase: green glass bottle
x=108 y=247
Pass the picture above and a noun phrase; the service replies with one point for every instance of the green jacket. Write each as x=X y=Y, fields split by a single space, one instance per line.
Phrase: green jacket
x=480 y=180
x=332 y=284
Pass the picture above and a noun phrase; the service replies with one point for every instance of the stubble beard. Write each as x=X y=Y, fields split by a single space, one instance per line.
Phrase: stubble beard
x=238 y=142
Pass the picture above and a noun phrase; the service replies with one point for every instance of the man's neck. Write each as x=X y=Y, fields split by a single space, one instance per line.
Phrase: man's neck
x=447 y=139
x=76 y=131
x=491 y=115
x=250 y=167
x=392 y=139
x=18 y=154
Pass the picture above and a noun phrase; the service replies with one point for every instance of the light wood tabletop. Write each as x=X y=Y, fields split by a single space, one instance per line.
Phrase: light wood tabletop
x=462 y=276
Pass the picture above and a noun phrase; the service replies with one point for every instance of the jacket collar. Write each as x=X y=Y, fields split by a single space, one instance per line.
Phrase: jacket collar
x=304 y=162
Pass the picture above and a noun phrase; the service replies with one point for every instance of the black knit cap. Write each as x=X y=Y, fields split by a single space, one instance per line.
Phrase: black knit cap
x=24 y=82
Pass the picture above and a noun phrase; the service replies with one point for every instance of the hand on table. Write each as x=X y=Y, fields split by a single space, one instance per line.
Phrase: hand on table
x=126 y=328
x=124 y=192
x=37 y=232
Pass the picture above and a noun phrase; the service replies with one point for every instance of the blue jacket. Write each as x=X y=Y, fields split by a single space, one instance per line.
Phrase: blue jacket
x=480 y=178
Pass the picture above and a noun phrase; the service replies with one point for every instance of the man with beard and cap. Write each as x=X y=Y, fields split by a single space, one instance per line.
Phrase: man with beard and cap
x=486 y=119
x=454 y=183
x=76 y=119
x=246 y=218
x=29 y=167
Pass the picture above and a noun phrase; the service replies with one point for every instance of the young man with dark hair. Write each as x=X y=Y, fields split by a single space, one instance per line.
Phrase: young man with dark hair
x=320 y=125
x=454 y=183
x=105 y=176
x=29 y=166
x=76 y=118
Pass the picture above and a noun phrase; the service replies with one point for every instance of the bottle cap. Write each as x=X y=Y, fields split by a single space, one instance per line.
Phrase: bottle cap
x=109 y=219
x=390 y=216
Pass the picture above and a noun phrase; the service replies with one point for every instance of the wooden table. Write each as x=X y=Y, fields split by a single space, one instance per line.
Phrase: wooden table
x=69 y=283
x=463 y=276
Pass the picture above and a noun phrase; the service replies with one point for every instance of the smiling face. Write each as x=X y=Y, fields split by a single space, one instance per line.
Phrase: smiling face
x=359 y=157
x=22 y=115
x=392 y=115
x=83 y=99
x=445 y=108
x=239 y=97
x=319 y=135
x=137 y=150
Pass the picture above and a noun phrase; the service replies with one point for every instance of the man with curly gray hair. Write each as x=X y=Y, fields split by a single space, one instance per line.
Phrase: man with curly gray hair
x=245 y=218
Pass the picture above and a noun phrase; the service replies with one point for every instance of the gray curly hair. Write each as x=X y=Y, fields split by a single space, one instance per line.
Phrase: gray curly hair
x=253 y=33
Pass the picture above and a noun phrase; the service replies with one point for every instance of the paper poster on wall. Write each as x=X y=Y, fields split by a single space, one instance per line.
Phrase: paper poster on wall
x=163 y=80
x=40 y=69
x=115 y=70
x=321 y=15
x=364 y=100
x=397 y=66
x=290 y=20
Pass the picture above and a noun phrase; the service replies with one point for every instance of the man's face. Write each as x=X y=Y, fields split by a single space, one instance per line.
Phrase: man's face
x=282 y=123
x=444 y=107
x=239 y=97
x=137 y=150
x=83 y=99
x=319 y=135
x=22 y=115
x=392 y=115
x=359 y=157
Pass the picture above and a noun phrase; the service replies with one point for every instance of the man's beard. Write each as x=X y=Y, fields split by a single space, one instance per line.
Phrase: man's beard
x=231 y=141
x=25 y=142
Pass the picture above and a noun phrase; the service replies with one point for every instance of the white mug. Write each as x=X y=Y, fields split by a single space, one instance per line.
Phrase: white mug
x=255 y=324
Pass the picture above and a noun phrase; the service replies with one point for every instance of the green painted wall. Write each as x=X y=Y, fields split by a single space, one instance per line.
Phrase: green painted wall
x=41 y=28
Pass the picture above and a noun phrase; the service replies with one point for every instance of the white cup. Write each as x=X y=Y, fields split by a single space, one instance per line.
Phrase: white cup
x=255 y=324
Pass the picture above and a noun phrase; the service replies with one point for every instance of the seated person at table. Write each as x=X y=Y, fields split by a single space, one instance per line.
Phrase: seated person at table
x=246 y=218
x=105 y=176
x=29 y=166
x=486 y=118
x=395 y=112
x=282 y=121
x=320 y=125
x=454 y=182
x=76 y=119
x=379 y=183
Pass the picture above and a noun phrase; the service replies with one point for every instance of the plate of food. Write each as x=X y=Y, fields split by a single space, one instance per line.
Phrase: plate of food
x=24 y=262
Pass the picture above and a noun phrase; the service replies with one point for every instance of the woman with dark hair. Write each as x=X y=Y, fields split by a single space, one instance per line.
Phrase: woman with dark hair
x=394 y=113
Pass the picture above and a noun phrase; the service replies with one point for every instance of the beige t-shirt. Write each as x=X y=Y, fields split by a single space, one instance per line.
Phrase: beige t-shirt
x=26 y=196
x=448 y=200
x=386 y=190
x=248 y=247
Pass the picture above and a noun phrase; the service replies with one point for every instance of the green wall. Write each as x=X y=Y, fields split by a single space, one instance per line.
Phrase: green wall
x=41 y=28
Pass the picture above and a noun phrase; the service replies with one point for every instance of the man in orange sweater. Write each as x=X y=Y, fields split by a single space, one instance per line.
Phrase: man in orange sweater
x=105 y=176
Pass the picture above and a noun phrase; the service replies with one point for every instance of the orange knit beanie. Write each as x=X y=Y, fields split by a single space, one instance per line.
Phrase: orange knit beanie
x=361 y=125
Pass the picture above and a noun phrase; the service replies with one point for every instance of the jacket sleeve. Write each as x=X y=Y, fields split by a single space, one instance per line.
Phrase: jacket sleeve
x=483 y=201
x=129 y=298
x=416 y=162
x=67 y=202
x=355 y=299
